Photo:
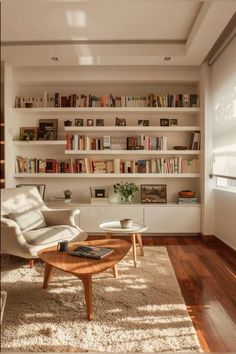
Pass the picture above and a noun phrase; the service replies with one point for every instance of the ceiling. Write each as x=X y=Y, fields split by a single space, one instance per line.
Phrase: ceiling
x=111 y=32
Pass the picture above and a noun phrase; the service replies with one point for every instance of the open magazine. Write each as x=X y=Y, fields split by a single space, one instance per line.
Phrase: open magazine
x=91 y=252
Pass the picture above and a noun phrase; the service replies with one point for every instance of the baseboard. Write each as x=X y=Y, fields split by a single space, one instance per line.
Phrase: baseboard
x=220 y=242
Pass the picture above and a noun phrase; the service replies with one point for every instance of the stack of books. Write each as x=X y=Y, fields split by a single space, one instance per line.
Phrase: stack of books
x=187 y=197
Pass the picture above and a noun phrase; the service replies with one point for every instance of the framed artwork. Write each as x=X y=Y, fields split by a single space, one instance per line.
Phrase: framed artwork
x=41 y=188
x=143 y=122
x=174 y=121
x=48 y=129
x=28 y=133
x=120 y=122
x=89 y=122
x=164 y=122
x=79 y=122
x=153 y=193
x=99 y=122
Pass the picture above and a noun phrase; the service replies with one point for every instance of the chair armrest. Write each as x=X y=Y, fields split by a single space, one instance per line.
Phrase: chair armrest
x=8 y=223
x=60 y=216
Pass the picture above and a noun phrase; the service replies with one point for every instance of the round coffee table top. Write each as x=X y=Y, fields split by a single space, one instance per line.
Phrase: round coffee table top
x=114 y=226
x=81 y=265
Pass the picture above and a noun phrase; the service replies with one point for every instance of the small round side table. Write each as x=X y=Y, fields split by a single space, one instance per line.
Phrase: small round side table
x=114 y=227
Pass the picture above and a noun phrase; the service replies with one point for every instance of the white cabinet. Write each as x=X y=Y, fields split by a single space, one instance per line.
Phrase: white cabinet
x=92 y=216
x=173 y=219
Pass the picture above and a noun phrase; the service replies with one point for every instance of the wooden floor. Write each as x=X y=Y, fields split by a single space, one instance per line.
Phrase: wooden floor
x=206 y=272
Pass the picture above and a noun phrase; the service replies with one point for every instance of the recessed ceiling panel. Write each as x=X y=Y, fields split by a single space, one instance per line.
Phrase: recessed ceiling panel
x=46 y=20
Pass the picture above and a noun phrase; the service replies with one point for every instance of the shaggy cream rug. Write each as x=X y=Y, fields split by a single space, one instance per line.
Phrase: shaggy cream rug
x=141 y=311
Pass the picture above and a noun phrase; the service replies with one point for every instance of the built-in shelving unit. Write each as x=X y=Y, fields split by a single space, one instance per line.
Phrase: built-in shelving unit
x=23 y=81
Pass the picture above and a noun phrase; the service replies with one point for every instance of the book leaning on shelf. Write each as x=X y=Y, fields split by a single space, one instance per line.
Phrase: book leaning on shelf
x=91 y=252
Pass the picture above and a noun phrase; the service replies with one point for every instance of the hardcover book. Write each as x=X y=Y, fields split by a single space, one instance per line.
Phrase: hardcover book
x=91 y=252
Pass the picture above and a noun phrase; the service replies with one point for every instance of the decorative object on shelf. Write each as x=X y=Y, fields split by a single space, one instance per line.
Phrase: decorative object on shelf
x=143 y=122
x=179 y=147
x=89 y=122
x=67 y=194
x=153 y=193
x=120 y=122
x=126 y=190
x=164 y=122
x=28 y=133
x=99 y=195
x=99 y=122
x=173 y=121
x=126 y=223
x=67 y=123
x=48 y=129
x=79 y=122
x=41 y=188
x=187 y=197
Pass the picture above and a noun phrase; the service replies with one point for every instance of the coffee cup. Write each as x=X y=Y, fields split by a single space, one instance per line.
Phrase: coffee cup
x=63 y=246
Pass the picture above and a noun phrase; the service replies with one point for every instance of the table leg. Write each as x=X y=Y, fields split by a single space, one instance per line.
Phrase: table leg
x=87 y=282
x=108 y=235
x=140 y=242
x=47 y=275
x=133 y=238
x=115 y=270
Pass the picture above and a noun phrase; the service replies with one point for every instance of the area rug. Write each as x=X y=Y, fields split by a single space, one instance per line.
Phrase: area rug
x=141 y=311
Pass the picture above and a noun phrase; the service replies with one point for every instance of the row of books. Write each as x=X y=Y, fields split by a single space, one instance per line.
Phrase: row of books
x=83 y=100
x=83 y=142
x=87 y=165
x=194 y=143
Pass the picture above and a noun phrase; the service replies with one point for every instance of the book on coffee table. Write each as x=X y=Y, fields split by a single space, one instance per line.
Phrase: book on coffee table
x=91 y=252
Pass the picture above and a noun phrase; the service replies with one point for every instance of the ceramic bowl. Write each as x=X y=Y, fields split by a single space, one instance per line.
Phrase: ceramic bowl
x=126 y=223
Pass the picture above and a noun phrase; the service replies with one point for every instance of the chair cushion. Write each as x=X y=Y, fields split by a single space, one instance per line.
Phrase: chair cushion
x=29 y=220
x=50 y=234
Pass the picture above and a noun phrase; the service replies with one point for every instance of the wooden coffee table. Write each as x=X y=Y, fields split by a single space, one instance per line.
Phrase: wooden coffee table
x=82 y=267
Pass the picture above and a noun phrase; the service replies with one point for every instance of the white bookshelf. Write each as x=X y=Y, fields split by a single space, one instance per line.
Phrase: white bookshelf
x=23 y=81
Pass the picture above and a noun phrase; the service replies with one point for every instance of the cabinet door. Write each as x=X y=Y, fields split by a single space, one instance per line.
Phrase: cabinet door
x=91 y=217
x=174 y=219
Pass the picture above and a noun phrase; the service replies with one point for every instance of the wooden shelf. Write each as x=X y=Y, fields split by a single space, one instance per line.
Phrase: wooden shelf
x=140 y=129
x=107 y=175
x=132 y=152
x=108 y=110
x=40 y=142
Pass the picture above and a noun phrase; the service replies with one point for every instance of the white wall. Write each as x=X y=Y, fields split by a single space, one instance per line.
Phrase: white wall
x=225 y=220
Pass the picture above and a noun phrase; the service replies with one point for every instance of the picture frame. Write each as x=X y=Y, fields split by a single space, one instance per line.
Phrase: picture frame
x=89 y=122
x=99 y=122
x=120 y=122
x=28 y=133
x=153 y=193
x=173 y=121
x=48 y=129
x=79 y=122
x=164 y=122
x=143 y=122
x=41 y=188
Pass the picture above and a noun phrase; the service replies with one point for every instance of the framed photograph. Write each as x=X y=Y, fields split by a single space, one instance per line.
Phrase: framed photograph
x=174 y=121
x=164 y=122
x=143 y=122
x=99 y=122
x=48 y=129
x=41 y=188
x=153 y=193
x=120 y=122
x=89 y=122
x=28 y=133
x=79 y=122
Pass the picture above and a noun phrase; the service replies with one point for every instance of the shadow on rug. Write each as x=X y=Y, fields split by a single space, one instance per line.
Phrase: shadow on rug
x=141 y=311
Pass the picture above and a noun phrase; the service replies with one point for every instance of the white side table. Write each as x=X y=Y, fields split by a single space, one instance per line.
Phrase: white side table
x=114 y=227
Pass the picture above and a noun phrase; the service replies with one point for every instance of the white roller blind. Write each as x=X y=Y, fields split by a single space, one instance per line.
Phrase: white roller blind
x=224 y=112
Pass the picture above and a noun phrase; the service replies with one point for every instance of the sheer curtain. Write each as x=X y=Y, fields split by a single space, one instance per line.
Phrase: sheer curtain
x=224 y=112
